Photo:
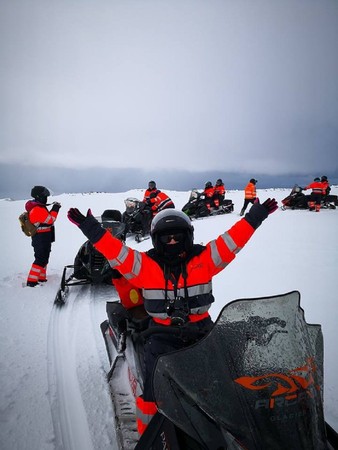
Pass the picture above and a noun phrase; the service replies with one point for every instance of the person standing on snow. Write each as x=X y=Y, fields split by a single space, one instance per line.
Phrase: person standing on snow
x=317 y=194
x=175 y=277
x=43 y=219
x=250 y=195
x=156 y=200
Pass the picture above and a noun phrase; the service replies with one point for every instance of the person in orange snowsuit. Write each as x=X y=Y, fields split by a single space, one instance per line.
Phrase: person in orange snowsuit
x=316 y=196
x=43 y=219
x=175 y=277
x=326 y=186
x=250 y=195
x=219 y=193
x=156 y=200
x=209 y=194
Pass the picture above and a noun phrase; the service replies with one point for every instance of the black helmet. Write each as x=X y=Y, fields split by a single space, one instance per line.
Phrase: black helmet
x=171 y=221
x=253 y=181
x=208 y=184
x=317 y=179
x=151 y=185
x=324 y=178
x=219 y=182
x=40 y=194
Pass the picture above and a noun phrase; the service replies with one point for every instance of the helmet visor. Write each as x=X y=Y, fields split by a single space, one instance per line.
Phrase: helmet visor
x=175 y=236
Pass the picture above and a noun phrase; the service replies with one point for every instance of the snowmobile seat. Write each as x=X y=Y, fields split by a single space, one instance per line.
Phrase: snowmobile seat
x=111 y=214
x=138 y=318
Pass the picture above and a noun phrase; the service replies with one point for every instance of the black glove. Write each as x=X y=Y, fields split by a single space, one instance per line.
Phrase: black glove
x=89 y=226
x=153 y=195
x=76 y=217
x=259 y=212
x=56 y=206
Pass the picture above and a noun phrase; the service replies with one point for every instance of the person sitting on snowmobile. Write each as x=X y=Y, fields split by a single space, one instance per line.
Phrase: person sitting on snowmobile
x=219 y=193
x=326 y=186
x=156 y=200
x=318 y=191
x=175 y=277
x=209 y=195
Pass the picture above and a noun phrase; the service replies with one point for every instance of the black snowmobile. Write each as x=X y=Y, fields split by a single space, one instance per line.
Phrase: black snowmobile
x=137 y=219
x=298 y=200
x=255 y=381
x=197 y=208
x=90 y=266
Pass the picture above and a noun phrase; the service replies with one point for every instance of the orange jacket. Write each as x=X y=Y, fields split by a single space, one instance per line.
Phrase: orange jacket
x=40 y=216
x=209 y=192
x=144 y=272
x=129 y=295
x=318 y=187
x=250 y=191
x=161 y=201
x=219 y=189
x=147 y=194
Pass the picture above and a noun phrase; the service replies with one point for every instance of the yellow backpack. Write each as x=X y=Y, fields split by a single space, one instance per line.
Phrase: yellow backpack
x=26 y=225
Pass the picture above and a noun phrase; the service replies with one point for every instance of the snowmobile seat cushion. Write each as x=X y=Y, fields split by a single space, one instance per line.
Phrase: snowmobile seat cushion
x=138 y=318
x=111 y=214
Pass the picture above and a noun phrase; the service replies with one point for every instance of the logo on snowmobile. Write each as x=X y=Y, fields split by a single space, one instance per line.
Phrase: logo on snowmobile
x=289 y=387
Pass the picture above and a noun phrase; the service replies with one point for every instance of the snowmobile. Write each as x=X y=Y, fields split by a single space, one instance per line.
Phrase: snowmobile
x=255 y=381
x=137 y=219
x=90 y=266
x=298 y=200
x=196 y=206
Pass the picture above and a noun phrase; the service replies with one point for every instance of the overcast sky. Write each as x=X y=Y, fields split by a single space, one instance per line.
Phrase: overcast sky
x=245 y=86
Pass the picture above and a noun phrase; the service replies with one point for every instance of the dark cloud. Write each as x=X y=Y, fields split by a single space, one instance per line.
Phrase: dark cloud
x=16 y=181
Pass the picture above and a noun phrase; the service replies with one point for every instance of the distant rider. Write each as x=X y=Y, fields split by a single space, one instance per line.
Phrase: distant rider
x=250 y=195
x=219 y=193
x=156 y=200
x=316 y=197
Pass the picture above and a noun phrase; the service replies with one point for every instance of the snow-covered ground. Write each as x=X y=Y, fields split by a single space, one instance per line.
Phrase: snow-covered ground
x=53 y=361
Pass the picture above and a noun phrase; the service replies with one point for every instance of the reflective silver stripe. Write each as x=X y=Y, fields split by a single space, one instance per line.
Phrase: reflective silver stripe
x=200 y=309
x=143 y=417
x=121 y=257
x=216 y=257
x=49 y=218
x=137 y=264
x=159 y=294
x=230 y=243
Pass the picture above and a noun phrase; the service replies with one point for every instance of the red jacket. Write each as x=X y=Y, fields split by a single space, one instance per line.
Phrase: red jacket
x=144 y=272
x=219 y=189
x=159 y=200
x=250 y=191
x=318 y=187
x=209 y=192
x=40 y=216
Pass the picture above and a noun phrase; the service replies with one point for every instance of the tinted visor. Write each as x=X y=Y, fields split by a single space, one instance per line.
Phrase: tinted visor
x=152 y=185
x=176 y=236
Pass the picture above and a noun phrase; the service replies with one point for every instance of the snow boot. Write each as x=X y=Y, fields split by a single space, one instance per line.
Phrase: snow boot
x=34 y=275
x=43 y=276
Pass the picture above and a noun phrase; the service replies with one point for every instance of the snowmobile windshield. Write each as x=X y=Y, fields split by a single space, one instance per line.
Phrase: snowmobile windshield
x=131 y=204
x=257 y=375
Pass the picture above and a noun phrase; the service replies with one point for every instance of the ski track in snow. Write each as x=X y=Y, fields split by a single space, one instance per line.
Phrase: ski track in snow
x=71 y=391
